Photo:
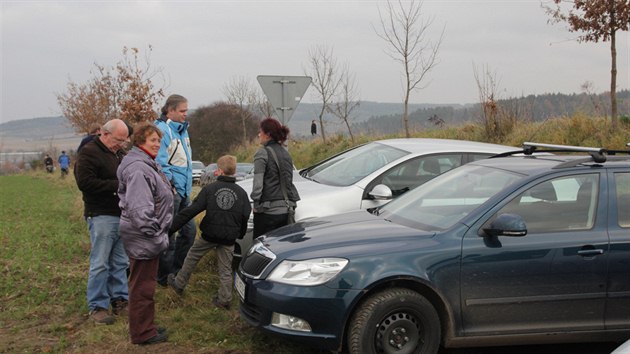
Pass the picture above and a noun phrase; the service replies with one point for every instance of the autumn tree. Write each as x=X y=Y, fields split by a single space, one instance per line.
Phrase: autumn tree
x=124 y=91
x=406 y=33
x=346 y=100
x=596 y=20
x=213 y=128
x=322 y=68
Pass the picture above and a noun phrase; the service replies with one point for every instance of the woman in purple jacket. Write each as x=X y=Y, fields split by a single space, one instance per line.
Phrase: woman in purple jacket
x=146 y=203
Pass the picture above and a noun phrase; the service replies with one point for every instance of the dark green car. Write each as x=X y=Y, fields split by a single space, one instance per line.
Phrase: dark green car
x=504 y=251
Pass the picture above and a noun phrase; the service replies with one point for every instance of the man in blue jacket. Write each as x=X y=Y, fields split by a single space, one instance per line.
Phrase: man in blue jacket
x=64 y=163
x=175 y=157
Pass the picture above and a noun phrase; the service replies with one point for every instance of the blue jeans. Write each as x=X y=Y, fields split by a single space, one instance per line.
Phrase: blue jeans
x=172 y=259
x=107 y=280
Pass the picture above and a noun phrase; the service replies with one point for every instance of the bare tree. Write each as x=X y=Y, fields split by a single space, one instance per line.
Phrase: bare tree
x=262 y=106
x=487 y=86
x=597 y=20
x=123 y=91
x=498 y=119
x=589 y=91
x=241 y=92
x=347 y=99
x=406 y=34
x=323 y=69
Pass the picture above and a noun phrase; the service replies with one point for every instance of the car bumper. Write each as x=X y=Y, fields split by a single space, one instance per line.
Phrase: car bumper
x=323 y=308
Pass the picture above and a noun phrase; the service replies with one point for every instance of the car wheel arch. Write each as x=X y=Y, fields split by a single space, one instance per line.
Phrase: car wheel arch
x=420 y=286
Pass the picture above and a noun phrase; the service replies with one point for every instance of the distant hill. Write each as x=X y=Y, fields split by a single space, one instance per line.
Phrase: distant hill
x=300 y=122
x=532 y=108
x=38 y=134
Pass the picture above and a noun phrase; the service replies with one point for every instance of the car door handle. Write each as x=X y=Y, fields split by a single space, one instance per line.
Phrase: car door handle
x=590 y=252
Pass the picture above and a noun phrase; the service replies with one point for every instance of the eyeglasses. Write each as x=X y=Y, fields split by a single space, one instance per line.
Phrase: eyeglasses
x=118 y=140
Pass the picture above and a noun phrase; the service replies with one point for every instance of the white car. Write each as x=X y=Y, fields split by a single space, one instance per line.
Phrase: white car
x=372 y=174
x=197 y=170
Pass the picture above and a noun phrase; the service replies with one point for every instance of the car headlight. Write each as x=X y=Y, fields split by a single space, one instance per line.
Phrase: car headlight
x=309 y=272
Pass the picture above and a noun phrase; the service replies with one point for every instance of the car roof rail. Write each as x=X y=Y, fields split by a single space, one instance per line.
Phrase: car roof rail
x=598 y=154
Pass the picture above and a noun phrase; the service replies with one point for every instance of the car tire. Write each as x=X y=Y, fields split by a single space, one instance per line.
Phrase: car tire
x=397 y=321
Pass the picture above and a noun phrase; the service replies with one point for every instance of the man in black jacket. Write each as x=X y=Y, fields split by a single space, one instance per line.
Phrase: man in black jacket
x=227 y=211
x=95 y=173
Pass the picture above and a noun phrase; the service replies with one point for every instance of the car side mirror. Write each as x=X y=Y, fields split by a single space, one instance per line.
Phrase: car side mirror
x=381 y=191
x=507 y=225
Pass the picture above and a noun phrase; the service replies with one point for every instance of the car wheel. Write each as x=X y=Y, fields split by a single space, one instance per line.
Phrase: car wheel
x=397 y=321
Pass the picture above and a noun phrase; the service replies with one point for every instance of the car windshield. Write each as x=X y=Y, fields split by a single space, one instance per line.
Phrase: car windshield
x=353 y=165
x=197 y=165
x=447 y=199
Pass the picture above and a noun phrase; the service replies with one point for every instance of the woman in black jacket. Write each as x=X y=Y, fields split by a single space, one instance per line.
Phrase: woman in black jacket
x=273 y=192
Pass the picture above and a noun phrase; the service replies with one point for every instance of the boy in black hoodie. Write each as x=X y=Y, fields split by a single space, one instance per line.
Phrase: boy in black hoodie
x=227 y=209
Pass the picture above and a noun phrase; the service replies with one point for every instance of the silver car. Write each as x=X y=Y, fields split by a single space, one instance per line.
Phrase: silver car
x=197 y=170
x=372 y=174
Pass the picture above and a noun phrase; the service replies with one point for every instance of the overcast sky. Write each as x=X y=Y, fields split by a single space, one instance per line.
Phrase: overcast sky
x=201 y=45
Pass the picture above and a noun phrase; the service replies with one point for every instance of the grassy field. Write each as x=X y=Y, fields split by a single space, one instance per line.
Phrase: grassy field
x=44 y=257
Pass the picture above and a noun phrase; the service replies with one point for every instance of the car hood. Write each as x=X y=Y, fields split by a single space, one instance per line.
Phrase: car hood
x=341 y=235
x=315 y=198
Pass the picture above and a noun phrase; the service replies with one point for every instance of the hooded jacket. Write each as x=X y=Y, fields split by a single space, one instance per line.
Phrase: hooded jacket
x=146 y=204
x=175 y=155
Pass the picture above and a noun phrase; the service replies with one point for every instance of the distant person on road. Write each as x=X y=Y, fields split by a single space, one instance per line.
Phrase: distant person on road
x=146 y=203
x=95 y=130
x=227 y=210
x=273 y=192
x=175 y=157
x=313 y=128
x=96 y=167
x=64 y=163
x=48 y=162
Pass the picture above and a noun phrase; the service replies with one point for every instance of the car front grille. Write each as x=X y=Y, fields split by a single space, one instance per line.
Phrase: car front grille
x=254 y=264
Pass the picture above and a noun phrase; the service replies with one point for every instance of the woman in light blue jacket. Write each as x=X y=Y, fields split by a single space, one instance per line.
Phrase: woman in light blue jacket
x=146 y=203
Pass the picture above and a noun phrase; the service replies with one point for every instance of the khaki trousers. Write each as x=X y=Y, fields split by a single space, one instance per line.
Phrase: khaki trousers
x=224 y=259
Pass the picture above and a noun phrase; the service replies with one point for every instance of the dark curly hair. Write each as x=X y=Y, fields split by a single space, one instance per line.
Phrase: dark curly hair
x=275 y=130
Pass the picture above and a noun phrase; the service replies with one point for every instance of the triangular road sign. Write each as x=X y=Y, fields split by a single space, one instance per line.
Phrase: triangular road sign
x=284 y=93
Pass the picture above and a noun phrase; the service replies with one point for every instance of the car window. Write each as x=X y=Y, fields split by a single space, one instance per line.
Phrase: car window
x=197 y=165
x=442 y=202
x=561 y=204
x=244 y=168
x=415 y=172
x=353 y=165
x=477 y=157
x=622 y=186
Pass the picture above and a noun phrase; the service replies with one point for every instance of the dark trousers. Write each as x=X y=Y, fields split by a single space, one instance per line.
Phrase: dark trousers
x=142 y=284
x=172 y=259
x=264 y=223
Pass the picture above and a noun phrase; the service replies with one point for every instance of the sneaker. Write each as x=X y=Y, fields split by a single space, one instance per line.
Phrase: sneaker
x=173 y=284
x=223 y=305
x=158 y=338
x=119 y=308
x=101 y=316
